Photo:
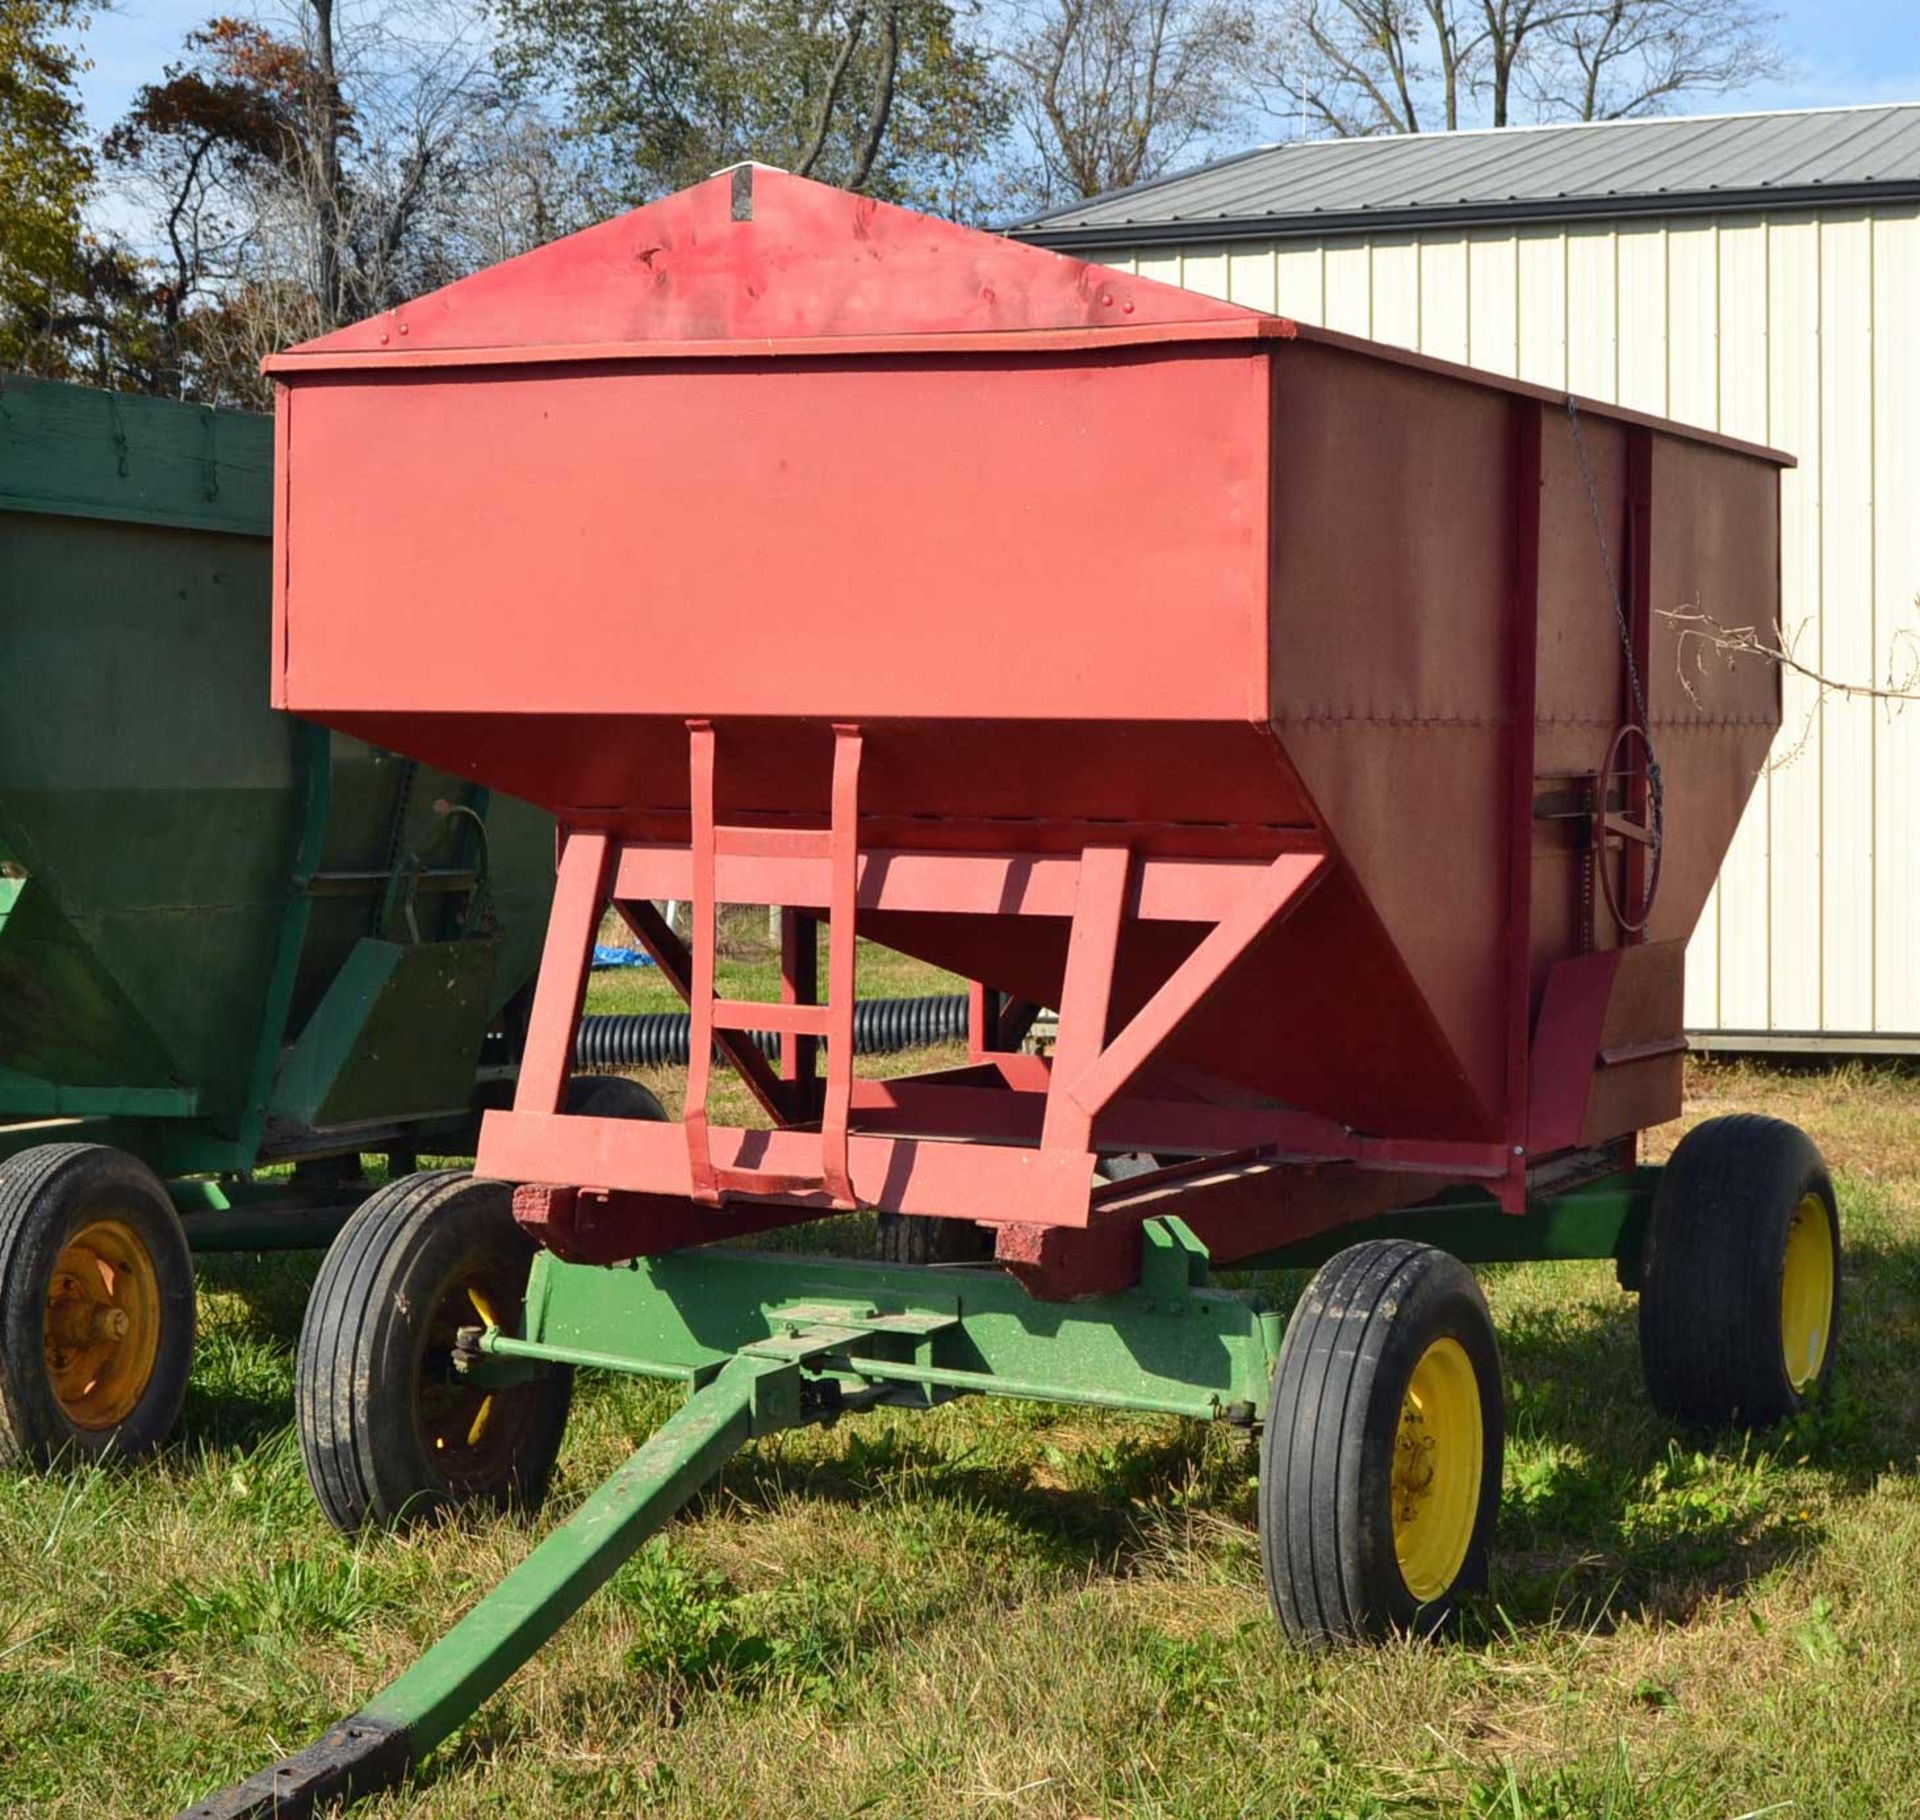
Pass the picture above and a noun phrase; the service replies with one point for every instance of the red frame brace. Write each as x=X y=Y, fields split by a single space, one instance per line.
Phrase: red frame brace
x=838 y=1165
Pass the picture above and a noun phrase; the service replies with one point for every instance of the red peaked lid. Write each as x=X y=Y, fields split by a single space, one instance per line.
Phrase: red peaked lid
x=753 y=257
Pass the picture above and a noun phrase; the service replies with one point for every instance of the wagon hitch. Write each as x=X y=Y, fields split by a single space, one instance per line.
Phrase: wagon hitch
x=377 y=1746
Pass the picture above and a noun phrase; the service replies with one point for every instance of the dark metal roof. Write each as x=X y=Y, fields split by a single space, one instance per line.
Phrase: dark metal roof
x=1826 y=157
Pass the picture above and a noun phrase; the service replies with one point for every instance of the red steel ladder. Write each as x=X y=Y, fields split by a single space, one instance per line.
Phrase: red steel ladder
x=837 y=848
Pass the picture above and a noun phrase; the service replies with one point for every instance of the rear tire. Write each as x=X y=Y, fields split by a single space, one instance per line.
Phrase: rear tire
x=1380 y=1465
x=610 y=1096
x=918 y=1238
x=1739 y=1297
x=388 y=1429
x=96 y=1306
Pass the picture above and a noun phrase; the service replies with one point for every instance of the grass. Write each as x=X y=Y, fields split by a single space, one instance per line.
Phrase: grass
x=1027 y=1610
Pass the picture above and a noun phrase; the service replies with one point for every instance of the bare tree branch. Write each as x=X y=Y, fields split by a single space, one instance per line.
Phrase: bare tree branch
x=884 y=81
x=1373 y=66
x=1111 y=92
x=1701 y=638
x=830 y=98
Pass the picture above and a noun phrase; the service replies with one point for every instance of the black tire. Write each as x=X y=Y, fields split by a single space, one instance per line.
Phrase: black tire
x=610 y=1096
x=1714 y=1340
x=70 y=1386
x=1333 y=1462
x=389 y=1431
x=916 y=1238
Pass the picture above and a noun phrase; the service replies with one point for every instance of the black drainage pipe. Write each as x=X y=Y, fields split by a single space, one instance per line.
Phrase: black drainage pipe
x=656 y=1039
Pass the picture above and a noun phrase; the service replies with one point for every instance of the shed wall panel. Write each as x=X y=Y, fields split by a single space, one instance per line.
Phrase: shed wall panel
x=1845 y=641
x=1493 y=304
x=1896 y=565
x=1793 y=874
x=1739 y=998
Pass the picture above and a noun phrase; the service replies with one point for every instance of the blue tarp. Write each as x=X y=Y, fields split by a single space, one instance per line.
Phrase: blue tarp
x=621 y=957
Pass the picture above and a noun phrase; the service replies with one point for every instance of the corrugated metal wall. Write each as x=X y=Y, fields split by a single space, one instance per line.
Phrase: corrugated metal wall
x=1802 y=331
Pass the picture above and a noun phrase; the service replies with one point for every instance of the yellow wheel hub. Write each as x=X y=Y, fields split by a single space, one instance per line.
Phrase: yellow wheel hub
x=1439 y=1453
x=103 y=1324
x=1806 y=1292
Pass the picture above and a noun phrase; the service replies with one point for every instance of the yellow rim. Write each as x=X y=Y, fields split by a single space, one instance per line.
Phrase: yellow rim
x=103 y=1324
x=1806 y=1292
x=1437 y=1459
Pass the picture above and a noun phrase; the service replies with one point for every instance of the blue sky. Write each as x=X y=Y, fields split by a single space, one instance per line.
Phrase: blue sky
x=1847 y=51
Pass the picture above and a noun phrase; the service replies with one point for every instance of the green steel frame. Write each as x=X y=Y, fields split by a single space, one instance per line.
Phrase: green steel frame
x=769 y=1341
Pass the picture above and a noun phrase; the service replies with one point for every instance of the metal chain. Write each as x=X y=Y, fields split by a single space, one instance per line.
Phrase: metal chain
x=1656 y=784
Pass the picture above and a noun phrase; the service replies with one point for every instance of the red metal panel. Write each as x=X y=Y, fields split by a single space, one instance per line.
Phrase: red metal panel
x=1190 y=787
x=792 y=514
x=986 y=1182
x=1566 y=1047
x=756 y=255
x=960 y=884
x=1394 y=701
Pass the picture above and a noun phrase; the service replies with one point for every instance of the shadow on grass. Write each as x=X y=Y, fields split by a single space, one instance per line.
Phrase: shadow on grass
x=271 y=1287
x=251 y=1306
x=1077 y=1513
x=1612 y=1512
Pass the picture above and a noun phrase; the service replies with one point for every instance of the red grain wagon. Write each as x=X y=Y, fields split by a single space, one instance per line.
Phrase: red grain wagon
x=1296 y=715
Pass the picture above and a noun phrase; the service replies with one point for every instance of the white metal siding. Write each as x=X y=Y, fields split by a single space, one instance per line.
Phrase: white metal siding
x=1800 y=330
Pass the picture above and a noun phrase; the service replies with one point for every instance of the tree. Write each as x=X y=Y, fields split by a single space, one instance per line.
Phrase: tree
x=46 y=174
x=195 y=146
x=1111 y=92
x=1627 y=57
x=302 y=177
x=1405 y=66
x=367 y=210
x=892 y=97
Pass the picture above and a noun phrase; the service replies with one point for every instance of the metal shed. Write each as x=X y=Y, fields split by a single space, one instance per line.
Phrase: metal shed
x=1755 y=274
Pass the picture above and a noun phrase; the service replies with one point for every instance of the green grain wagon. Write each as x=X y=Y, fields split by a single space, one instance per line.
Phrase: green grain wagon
x=229 y=940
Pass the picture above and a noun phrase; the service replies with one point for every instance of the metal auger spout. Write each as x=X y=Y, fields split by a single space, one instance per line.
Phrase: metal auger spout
x=377 y=1746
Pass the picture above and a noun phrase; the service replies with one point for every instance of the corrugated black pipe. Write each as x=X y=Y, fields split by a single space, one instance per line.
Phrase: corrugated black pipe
x=655 y=1039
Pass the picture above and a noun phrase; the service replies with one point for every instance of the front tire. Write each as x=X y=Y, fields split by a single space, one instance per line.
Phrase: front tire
x=1380 y=1465
x=96 y=1306
x=389 y=1430
x=1739 y=1298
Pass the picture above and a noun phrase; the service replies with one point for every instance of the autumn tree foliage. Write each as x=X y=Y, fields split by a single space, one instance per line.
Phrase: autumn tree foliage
x=46 y=175
x=196 y=147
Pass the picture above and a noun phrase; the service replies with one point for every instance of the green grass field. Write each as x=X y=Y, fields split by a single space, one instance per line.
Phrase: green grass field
x=1028 y=1610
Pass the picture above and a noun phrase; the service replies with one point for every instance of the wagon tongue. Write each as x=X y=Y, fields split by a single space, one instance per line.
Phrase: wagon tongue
x=377 y=1746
